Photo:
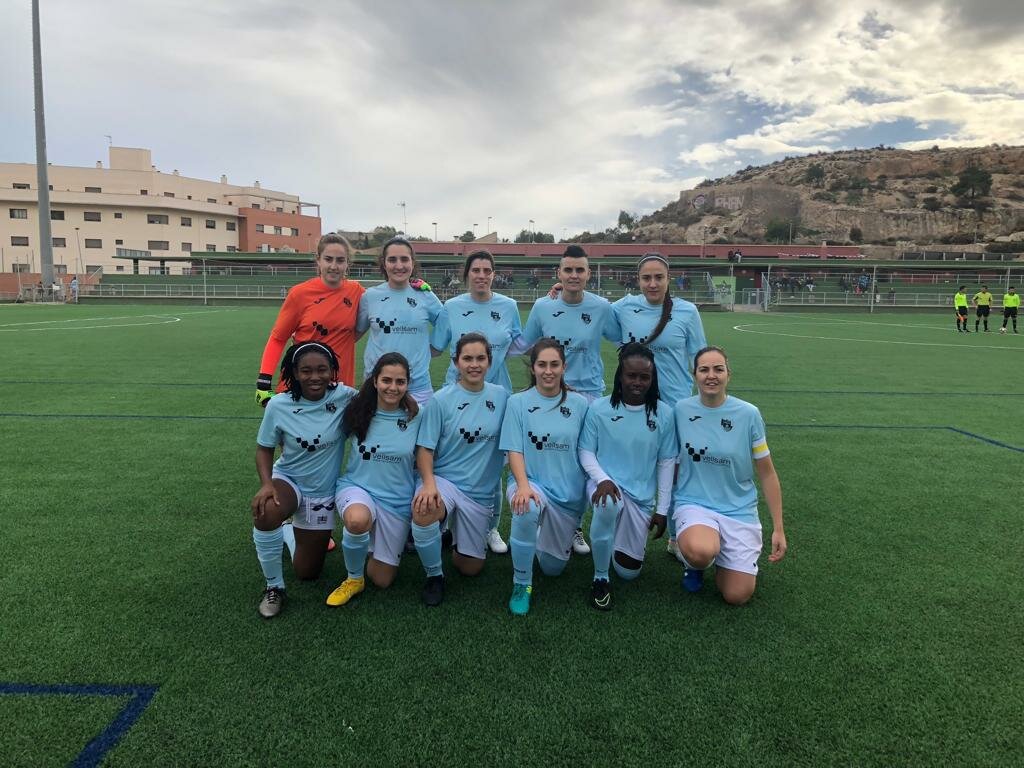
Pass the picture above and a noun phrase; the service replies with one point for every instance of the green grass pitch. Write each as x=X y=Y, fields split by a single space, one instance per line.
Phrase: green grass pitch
x=891 y=634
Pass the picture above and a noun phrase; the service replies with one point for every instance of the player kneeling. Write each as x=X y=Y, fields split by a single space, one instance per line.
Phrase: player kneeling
x=624 y=436
x=459 y=460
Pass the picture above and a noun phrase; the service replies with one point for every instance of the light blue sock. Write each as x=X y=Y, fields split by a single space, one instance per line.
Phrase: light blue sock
x=498 y=499
x=551 y=565
x=269 y=552
x=428 y=546
x=523 y=541
x=626 y=574
x=355 y=546
x=602 y=535
x=289 y=539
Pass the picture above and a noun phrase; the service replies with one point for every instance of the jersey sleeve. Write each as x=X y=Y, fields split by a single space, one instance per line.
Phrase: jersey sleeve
x=363 y=315
x=434 y=308
x=269 y=435
x=695 y=338
x=588 y=436
x=533 y=332
x=758 y=441
x=668 y=445
x=611 y=329
x=430 y=425
x=518 y=343
x=512 y=427
x=286 y=324
x=441 y=335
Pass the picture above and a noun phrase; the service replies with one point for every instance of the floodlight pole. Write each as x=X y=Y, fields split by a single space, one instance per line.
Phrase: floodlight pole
x=205 y=302
x=42 y=175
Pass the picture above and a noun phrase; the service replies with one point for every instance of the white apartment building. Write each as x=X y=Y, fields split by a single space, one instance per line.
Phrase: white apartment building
x=133 y=206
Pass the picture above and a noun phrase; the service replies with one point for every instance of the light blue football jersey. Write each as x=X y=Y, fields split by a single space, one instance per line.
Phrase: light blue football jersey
x=675 y=346
x=629 y=445
x=579 y=328
x=497 y=319
x=462 y=428
x=384 y=464
x=717 y=448
x=547 y=434
x=399 y=321
x=309 y=433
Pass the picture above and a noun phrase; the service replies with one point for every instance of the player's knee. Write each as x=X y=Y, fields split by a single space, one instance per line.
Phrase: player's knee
x=357 y=519
x=550 y=565
x=735 y=594
x=308 y=571
x=627 y=567
x=467 y=566
x=696 y=552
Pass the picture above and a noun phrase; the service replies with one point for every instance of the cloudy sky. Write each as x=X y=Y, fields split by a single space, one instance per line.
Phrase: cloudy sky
x=562 y=111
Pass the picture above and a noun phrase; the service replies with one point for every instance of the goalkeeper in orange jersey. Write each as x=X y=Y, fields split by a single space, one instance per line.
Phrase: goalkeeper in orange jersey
x=322 y=309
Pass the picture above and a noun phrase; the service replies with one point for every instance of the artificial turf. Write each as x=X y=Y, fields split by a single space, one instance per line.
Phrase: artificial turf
x=890 y=635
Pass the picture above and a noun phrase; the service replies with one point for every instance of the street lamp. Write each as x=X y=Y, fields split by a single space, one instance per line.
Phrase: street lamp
x=405 y=220
x=532 y=225
x=435 y=230
x=489 y=224
x=474 y=230
x=78 y=238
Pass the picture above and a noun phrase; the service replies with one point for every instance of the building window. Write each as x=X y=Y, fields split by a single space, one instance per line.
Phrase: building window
x=211 y=199
x=168 y=194
x=232 y=249
x=143 y=191
x=278 y=231
x=60 y=269
x=119 y=242
x=60 y=242
x=157 y=218
x=92 y=216
x=118 y=215
x=119 y=267
x=211 y=224
x=259 y=228
x=93 y=242
x=279 y=210
x=93 y=189
x=211 y=247
x=18 y=185
x=16 y=267
x=159 y=245
x=186 y=221
x=19 y=240
x=186 y=247
x=256 y=205
x=94 y=268
x=295 y=232
x=56 y=215
x=19 y=213
x=230 y=226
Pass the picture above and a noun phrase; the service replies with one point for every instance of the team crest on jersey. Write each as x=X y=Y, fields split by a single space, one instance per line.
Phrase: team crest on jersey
x=403 y=425
x=564 y=411
x=347 y=301
x=652 y=425
x=411 y=301
x=538 y=442
x=585 y=317
x=470 y=437
x=727 y=425
x=489 y=404
x=461 y=406
x=331 y=407
x=309 y=445
x=496 y=316
x=367 y=451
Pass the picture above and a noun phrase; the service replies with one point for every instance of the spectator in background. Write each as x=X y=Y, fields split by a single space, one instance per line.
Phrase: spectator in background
x=74 y=290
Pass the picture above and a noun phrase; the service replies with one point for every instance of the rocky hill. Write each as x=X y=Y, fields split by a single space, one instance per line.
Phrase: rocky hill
x=883 y=196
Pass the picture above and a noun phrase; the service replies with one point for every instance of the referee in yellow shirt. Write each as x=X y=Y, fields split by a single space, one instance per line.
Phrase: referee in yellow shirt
x=982 y=305
x=1011 y=302
x=960 y=304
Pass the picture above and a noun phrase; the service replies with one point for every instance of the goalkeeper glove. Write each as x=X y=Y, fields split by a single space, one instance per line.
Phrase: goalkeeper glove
x=418 y=284
x=263 y=390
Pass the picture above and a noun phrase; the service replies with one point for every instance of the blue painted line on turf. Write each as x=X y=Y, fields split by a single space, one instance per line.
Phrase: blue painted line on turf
x=137 y=416
x=958 y=431
x=96 y=750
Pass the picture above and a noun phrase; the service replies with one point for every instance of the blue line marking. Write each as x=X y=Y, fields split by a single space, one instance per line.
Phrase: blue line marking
x=988 y=440
x=96 y=750
x=957 y=430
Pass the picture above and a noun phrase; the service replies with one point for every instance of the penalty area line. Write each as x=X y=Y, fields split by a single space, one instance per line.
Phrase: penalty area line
x=921 y=427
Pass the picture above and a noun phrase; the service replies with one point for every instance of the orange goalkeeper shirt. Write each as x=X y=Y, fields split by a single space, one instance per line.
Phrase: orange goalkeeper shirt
x=312 y=311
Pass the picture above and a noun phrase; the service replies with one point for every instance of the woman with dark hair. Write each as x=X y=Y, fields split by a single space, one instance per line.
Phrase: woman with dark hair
x=321 y=309
x=301 y=482
x=723 y=446
x=480 y=310
x=398 y=315
x=374 y=495
x=541 y=435
x=459 y=460
x=624 y=437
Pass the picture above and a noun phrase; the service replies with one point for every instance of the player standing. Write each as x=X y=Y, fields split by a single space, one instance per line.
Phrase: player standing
x=960 y=305
x=983 y=306
x=1011 y=303
x=624 y=437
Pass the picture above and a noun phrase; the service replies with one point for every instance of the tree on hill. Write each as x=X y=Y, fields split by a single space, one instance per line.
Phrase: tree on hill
x=815 y=174
x=778 y=230
x=973 y=182
x=627 y=220
x=526 y=236
x=467 y=236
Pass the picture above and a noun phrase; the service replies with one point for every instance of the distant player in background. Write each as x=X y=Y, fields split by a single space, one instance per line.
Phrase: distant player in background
x=305 y=421
x=625 y=436
x=983 y=306
x=398 y=314
x=547 y=492
x=1011 y=303
x=374 y=495
x=722 y=446
x=459 y=461
x=960 y=306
